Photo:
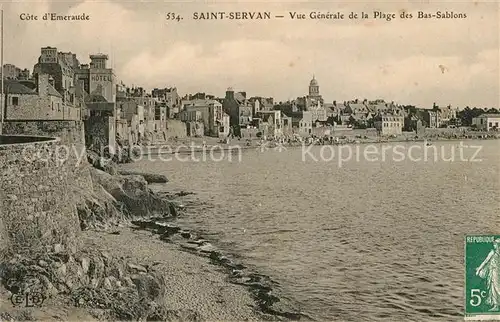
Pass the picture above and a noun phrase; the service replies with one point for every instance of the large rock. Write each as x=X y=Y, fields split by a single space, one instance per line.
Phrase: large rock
x=98 y=209
x=150 y=177
x=133 y=193
x=101 y=163
x=149 y=286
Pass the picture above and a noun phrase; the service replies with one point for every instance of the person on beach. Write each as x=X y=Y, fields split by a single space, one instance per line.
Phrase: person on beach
x=490 y=271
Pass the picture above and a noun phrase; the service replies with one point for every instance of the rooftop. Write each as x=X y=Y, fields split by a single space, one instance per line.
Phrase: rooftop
x=15 y=87
x=200 y=102
x=98 y=55
x=313 y=82
x=489 y=115
x=53 y=91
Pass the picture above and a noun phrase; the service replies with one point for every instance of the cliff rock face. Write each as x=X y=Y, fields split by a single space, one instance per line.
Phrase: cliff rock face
x=46 y=198
x=117 y=198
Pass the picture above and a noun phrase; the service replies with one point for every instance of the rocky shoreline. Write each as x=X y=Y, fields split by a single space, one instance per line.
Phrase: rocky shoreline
x=260 y=286
x=109 y=284
x=102 y=282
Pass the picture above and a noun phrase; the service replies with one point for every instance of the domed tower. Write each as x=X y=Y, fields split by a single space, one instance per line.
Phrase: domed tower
x=314 y=88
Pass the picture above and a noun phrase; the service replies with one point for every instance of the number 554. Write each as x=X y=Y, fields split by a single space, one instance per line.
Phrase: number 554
x=476 y=297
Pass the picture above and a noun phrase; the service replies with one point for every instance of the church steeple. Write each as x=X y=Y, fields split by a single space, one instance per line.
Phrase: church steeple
x=314 y=87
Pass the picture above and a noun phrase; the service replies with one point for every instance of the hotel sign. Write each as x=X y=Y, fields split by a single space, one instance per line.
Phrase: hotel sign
x=101 y=78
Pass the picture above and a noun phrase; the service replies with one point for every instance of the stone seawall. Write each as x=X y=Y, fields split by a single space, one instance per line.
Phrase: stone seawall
x=71 y=135
x=49 y=193
x=68 y=131
x=43 y=182
x=37 y=207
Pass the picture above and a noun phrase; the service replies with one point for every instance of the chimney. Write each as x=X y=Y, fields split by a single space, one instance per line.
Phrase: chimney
x=43 y=85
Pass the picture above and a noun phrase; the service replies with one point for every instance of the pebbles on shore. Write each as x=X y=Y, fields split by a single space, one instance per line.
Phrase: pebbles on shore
x=260 y=286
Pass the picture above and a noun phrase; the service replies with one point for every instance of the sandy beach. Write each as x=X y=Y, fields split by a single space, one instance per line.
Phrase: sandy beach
x=126 y=269
x=213 y=145
x=195 y=289
x=194 y=286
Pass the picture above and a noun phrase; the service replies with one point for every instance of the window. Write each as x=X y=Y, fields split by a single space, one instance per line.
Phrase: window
x=15 y=101
x=490 y=124
x=52 y=105
x=58 y=108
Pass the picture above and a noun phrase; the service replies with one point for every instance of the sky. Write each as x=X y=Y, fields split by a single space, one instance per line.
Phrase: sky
x=411 y=61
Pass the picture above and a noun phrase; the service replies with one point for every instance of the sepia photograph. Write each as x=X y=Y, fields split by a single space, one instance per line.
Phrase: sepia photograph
x=249 y=160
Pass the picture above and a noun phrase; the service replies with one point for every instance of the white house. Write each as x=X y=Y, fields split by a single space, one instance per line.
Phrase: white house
x=487 y=122
x=388 y=124
x=211 y=113
x=305 y=124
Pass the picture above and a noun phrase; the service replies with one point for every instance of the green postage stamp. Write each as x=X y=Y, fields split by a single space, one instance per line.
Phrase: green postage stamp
x=482 y=277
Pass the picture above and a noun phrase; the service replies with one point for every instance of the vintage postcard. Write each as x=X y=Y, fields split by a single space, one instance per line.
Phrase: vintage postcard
x=249 y=160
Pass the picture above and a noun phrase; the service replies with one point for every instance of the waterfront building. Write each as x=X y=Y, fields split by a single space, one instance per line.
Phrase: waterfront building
x=412 y=123
x=389 y=124
x=191 y=116
x=487 y=122
x=61 y=67
x=170 y=98
x=40 y=102
x=145 y=115
x=153 y=121
x=305 y=124
x=322 y=129
x=210 y=111
x=270 y=123
x=294 y=118
x=431 y=118
x=238 y=107
x=261 y=104
x=447 y=114
x=96 y=78
x=129 y=121
x=98 y=82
